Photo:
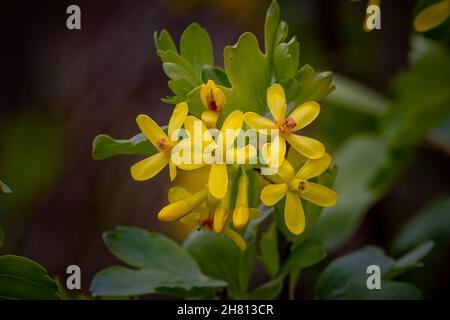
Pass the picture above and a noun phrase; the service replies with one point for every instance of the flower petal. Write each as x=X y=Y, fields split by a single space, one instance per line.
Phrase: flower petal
x=273 y=193
x=309 y=147
x=319 y=195
x=234 y=121
x=294 y=216
x=218 y=180
x=305 y=114
x=237 y=239
x=149 y=167
x=178 y=116
x=150 y=129
x=177 y=193
x=286 y=171
x=314 y=167
x=268 y=149
x=432 y=16
x=277 y=102
x=197 y=130
x=256 y=121
x=172 y=170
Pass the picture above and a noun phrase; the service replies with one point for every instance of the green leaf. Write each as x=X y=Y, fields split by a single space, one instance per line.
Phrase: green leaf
x=303 y=256
x=346 y=278
x=254 y=188
x=216 y=74
x=220 y=258
x=286 y=59
x=270 y=258
x=421 y=99
x=430 y=223
x=358 y=160
x=164 y=41
x=313 y=86
x=160 y=263
x=4 y=188
x=22 y=278
x=271 y=26
x=104 y=146
x=196 y=48
x=268 y=291
x=357 y=97
x=410 y=260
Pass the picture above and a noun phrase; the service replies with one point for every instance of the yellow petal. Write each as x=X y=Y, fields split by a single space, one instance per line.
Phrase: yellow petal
x=197 y=130
x=177 y=119
x=218 y=180
x=273 y=193
x=319 y=195
x=270 y=152
x=256 y=121
x=172 y=171
x=186 y=155
x=209 y=118
x=305 y=114
x=149 y=167
x=150 y=129
x=314 y=167
x=237 y=239
x=309 y=147
x=221 y=213
x=294 y=216
x=234 y=121
x=245 y=154
x=177 y=193
x=432 y=16
x=285 y=171
x=219 y=97
x=277 y=102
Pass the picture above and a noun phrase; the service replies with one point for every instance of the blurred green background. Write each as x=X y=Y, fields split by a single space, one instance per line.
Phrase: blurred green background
x=388 y=127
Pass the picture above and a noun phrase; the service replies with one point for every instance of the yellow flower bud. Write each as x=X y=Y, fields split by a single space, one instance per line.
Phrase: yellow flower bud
x=241 y=211
x=181 y=208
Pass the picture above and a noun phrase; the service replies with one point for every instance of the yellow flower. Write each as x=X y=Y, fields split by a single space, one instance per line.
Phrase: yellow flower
x=218 y=149
x=294 y=187
x=214 y=100
x=199 y=211
x=299 y=118
x=151 y=166
x=432 y=16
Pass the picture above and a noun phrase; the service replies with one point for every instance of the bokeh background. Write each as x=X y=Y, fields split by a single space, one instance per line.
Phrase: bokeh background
x=61 y=88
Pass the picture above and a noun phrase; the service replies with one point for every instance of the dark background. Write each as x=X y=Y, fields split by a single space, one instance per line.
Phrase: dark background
x=61 y=88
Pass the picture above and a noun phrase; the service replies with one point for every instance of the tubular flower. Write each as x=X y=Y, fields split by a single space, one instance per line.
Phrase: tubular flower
x=294 y=187
x=214 y=100
x=151 y=166
x=299 y=118
x=241 y=210
x=198 y=211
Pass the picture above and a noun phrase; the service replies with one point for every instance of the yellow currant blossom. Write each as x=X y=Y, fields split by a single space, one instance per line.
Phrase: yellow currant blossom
x=241 y=211
x=199 y=211
x=151 y=166
x=214 y=101
x=299 y=118
x=218 y=150
x=295 y=186
x=432 y=16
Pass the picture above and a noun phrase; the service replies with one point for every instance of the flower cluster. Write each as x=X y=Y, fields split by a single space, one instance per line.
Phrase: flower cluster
x=223 y=204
